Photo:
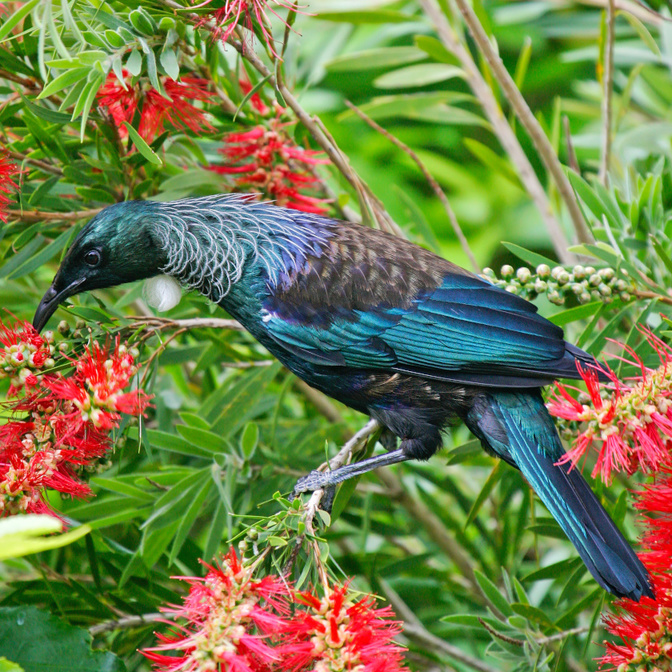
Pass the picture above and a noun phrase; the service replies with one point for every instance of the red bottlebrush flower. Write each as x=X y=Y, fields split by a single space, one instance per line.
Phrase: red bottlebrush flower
x=96 y=388
x=645 y=627
x=632 y=426
x=337 y=632
x=223 y=21
x=157 y=112
x=24 y=355
x=7 y=185
x=273 y=166
x=66 y=416
x=230 y=620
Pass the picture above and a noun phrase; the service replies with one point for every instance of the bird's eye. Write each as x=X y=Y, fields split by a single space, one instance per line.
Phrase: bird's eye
x=92 y=258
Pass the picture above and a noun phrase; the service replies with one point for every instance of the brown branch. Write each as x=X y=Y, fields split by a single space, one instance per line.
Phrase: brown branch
x=501 y=127
x=637 y=9
x=499 y=635
x=607 y=94
x=440 y=194
x=42 y=165
x=526 y=117
x=161 y=323
x=644 y=294
x=40 y=216
x=28 y=83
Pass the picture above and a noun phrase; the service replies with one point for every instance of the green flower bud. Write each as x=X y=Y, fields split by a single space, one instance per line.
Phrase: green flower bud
x=540 y=286
x=594 y=279
x=579 y=272
x=577 y=288
x=512 y=288
x=606 y=273
x=625 y=297
x=63 y=328
x=584 y=297
x=523 y=274
x=603 y=289
x=589 y=270
x=488 y=272
x=507 y=271
x=563 y=277
x=543 y=271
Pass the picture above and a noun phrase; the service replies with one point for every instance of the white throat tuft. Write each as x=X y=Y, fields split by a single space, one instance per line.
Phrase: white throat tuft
x=162 y=292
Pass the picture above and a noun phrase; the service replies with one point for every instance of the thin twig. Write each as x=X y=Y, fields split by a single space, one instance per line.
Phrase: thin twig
x=161 y=323
x=127 y=622
x=24 y=81
x=526 y=117
x=42 y=165
x=42 y=216
x=634 y=7
x=440 y=194
x=499 y=635
x=561 y=635
x=501 y=128
x=607 y=93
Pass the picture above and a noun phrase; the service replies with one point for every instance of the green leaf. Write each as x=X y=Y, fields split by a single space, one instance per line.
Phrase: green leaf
x=492 y=160
x=530 y=257
x=24 y=535
x=532 y=614
x=256 y=88
x=40 y=642
x=9 y=666
x=65 y=79
x=418 y=75
x=8 y=26
x=45 y=113
x=189 y=518
x=491 y=591
x=434 y=48
x=641 y=30
x=371 y=59
x=22 y=256
x=142 y=146
x=239 y=399
x=203 y=439
x=489 y=484
x=173 y=443
x=43 y=256
x=249 y=440
x=134 y=63
x=168 y=60
x=576 y=313
x=365 y=16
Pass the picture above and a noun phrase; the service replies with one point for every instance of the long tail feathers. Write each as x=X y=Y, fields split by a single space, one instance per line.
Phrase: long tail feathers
x=518 y=428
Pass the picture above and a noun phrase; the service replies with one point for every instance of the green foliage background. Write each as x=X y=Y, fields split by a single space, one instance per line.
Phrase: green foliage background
x=458 y=545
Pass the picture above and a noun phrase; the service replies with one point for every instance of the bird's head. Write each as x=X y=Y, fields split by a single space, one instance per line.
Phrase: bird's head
x=118 y=245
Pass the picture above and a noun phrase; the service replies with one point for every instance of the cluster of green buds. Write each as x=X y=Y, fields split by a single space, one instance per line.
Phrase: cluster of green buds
x=584 y=282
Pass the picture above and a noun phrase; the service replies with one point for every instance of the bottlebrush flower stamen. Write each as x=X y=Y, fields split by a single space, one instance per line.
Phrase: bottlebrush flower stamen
x=631 y=425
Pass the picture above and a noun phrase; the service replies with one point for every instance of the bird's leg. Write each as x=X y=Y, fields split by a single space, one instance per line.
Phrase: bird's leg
x=328 y=479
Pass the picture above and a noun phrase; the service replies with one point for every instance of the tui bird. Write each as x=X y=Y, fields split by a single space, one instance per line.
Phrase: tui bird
x=376 y=322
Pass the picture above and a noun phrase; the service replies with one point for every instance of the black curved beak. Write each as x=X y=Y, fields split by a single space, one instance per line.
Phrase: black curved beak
x=51 y=300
